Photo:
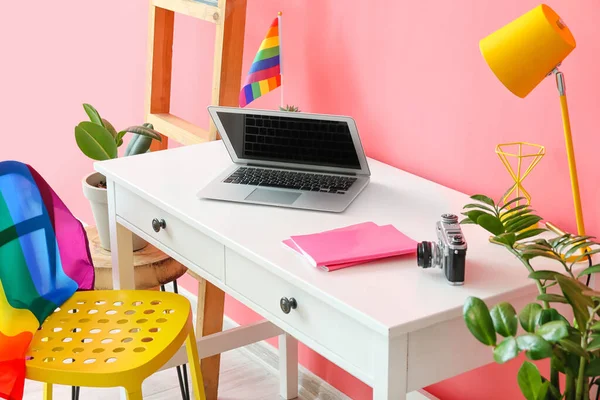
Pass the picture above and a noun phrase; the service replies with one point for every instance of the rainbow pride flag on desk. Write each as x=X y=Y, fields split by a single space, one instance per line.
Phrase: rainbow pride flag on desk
x=265 y=73
x=44 y=259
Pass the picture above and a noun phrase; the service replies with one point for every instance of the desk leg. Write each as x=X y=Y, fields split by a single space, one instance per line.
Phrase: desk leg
x=288 y=366
x=121 y=246
x=121 y=251
x=209 y=320
x=391 y=369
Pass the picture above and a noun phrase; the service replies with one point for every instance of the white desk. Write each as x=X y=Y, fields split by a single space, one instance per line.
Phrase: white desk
x=391 y=324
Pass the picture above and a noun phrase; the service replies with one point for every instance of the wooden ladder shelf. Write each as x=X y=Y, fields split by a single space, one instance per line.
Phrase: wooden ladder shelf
x=229 y=18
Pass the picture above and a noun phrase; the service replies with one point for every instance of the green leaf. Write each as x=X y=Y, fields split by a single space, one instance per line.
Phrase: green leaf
x=530 y=233
x=558 y=240
x=491 y=224
x=553 y=331
x=593 y=345
x=574 y=348
x=109 y=127
x=512 y=201
x=535 y=347
x=507 y=213
x=480 y=207
x=543 y=391
x=555 y=394
x=572 y=291
x=529 y=380
x=466 y=221
x=537 y=245
x=505 y=319
x=478 y=320
x=93 y=114
x=591 y=293
x=587 y=254
x=543 y=274
x=138 y=144
x=95 y=141
x=549 y=315
x=529 y=316
x=119 y=137
x=506 y=350
x=532 y=253
x=554 y=298
x=507 y=239
x=144 y=131
x=523 y=223
x=474 y=214
x=484 y=199
x=573 y=249
x=508 y=218
x=570 y=241
x=593 y=368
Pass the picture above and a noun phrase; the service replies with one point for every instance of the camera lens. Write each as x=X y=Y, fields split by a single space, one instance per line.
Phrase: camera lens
x=424 y=254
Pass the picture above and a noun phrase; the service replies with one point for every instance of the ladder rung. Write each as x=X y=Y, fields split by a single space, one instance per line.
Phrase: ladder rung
x=192 y=8
x=178 y=129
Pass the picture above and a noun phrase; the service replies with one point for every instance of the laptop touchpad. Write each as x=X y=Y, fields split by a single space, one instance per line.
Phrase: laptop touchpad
x=273 y=196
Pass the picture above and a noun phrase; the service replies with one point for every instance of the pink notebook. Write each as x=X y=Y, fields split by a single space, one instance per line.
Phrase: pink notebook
x=364 y=243
x=290 y=243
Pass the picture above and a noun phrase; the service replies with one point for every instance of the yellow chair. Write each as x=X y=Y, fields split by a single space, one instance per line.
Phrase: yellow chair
x=111 y=339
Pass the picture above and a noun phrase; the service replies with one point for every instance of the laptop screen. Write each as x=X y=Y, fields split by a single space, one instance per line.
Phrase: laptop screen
x=288 y=139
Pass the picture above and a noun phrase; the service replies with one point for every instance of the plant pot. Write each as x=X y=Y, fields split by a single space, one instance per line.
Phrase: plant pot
x=98 y=198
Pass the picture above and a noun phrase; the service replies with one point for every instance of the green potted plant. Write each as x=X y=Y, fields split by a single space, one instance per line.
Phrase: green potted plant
x=289 y=108
x=99 y=140
x=572 y=347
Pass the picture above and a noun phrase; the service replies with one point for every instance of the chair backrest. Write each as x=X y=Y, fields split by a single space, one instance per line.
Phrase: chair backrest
x=44 y=259
x=44 y=253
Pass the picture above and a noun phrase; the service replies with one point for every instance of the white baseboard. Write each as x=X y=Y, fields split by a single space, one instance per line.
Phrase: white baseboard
x=311 y=386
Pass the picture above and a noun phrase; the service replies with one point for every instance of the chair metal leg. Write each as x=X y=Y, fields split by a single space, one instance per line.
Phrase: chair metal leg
x=195 y=371
x=75 y=392
x=47 y=391
x=185 y=381
x=184 y=393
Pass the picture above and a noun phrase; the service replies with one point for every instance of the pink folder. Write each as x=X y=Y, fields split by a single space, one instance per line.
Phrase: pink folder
x=290 y=243
x=353 y=245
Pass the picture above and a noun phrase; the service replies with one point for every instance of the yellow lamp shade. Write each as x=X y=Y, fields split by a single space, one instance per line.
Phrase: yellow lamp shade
x=522 y=53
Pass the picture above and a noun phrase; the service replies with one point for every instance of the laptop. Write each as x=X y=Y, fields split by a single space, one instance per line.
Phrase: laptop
x=284 y=159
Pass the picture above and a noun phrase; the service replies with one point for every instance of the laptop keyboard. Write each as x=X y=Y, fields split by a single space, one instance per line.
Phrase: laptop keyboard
x=291 y=180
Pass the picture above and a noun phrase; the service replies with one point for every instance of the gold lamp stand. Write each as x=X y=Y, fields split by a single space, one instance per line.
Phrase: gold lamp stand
x=560 y=83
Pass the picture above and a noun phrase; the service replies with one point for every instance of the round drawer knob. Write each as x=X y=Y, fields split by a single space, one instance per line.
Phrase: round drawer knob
x=158 y=224
x=287 y=305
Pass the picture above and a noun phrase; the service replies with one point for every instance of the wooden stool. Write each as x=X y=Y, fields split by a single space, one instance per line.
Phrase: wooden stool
x=152 y=267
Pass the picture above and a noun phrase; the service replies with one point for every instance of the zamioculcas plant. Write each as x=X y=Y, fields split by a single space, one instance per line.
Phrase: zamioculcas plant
x=573 y=348
x=99 y=140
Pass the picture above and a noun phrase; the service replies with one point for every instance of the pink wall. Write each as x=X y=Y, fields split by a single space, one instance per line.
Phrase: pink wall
x=408 y=71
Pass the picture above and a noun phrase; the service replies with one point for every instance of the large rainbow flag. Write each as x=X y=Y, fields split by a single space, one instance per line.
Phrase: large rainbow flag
x=265 y=72
x=44 y=259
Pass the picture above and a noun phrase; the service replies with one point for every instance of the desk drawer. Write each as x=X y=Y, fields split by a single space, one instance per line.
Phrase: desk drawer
x=328 y=327
x=178 y=236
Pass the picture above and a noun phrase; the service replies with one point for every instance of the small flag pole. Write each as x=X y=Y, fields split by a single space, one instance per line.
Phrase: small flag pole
x=279 y=14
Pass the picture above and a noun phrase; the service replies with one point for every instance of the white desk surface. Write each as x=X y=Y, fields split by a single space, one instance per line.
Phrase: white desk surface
x=392 y=296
